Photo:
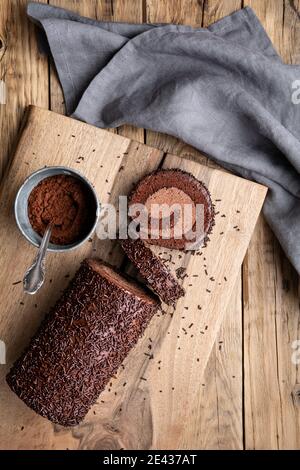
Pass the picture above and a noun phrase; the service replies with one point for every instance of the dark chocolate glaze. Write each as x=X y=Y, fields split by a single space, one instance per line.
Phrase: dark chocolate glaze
x=153 y=270
x=187 y=183
x=80 y=344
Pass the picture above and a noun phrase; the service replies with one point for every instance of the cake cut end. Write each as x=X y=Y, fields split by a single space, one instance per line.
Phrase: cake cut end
x=178 y=207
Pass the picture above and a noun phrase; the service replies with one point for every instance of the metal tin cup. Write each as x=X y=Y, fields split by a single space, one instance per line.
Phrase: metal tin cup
x=21 y=206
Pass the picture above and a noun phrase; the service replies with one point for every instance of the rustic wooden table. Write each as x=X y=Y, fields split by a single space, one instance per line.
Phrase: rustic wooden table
x=252 y=394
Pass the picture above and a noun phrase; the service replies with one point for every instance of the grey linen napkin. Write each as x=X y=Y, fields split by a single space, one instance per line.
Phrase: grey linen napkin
x=222 y=89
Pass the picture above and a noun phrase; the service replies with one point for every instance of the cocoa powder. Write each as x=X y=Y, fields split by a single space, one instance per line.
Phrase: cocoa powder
x=66 y=203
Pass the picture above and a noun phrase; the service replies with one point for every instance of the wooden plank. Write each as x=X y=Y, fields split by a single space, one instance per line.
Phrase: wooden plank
x=22 y=69
x=175 y=11
x=182 y=345
x=104 y=153
x=227 y=365
x=218 y=414
x=271 y=298
x=142 y=422
x=288 y=46
x=290 y=49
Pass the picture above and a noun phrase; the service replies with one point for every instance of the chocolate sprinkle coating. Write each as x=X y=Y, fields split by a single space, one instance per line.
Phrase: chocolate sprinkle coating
x=81 y=343
x=151 y=268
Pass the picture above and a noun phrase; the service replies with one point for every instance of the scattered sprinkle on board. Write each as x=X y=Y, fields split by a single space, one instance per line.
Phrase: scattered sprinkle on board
x=97 y=145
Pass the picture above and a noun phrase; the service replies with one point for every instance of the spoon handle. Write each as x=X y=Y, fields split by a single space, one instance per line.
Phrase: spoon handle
x=35 y=275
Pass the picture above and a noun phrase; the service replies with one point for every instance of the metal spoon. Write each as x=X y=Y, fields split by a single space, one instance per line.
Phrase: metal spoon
x=35 y=275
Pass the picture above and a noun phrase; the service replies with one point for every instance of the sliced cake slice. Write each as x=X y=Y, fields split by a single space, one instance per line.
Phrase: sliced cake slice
x=152 y=268
x=190 y=209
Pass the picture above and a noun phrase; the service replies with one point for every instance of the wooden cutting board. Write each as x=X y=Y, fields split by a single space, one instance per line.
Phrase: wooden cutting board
x=150 y=403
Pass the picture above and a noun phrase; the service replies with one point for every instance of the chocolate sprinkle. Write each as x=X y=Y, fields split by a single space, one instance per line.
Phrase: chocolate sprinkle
x=81 y=343
x=181 y=273
x=151 y=268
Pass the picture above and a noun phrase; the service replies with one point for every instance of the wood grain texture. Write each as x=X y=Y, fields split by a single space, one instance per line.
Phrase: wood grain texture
x=23 y=70
x=185 y=361
x=271 y=299
x=181 y=340
x=104 y=155
x=272 y=419
x=291 y=32
x=218 y=414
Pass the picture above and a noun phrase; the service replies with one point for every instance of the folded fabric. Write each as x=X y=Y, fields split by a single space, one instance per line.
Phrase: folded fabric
x=222 y=89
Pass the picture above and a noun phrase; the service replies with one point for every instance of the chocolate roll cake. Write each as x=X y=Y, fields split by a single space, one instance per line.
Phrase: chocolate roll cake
x=153 y=270
x=174 y=187
x=81 y=343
